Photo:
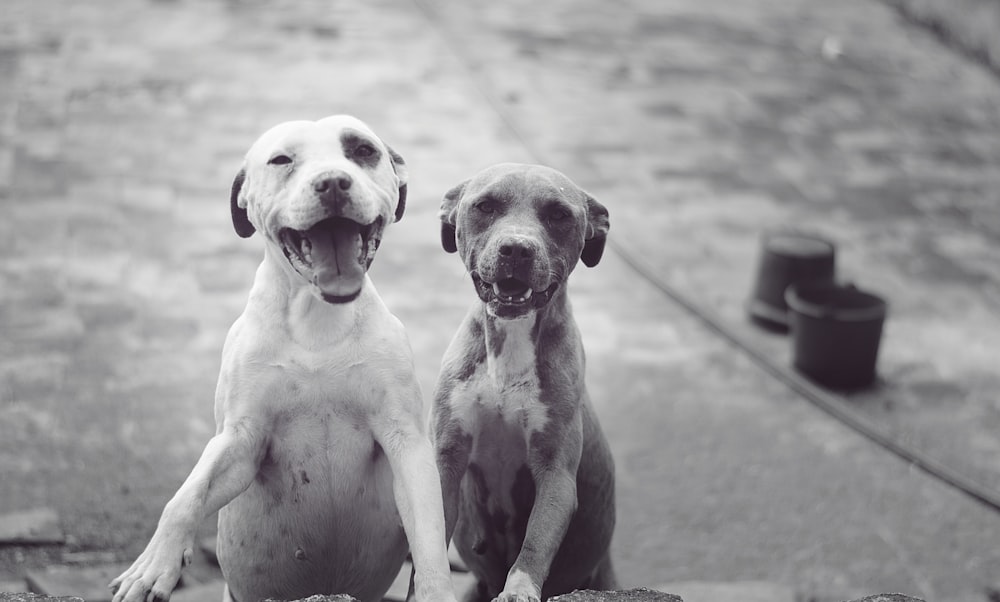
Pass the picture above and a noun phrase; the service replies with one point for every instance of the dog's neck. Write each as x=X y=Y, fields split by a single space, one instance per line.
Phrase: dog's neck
x=310 y=321
x=512 y=344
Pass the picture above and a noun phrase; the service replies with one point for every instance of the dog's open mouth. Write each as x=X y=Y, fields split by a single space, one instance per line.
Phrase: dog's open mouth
x=512 y=294
x=334 y=255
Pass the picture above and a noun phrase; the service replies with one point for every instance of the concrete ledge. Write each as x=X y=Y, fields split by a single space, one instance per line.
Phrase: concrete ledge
x=335 y=598
x=33 y=527
x=889 y=598
x=744 y=591
x=36 y=598
x=633 y=595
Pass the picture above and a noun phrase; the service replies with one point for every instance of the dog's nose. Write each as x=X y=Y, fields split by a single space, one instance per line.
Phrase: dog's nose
x=516 y=249
x=332 y=183
x=515 y=256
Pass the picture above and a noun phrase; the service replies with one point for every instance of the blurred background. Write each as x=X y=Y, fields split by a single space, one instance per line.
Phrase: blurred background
x=700 y=124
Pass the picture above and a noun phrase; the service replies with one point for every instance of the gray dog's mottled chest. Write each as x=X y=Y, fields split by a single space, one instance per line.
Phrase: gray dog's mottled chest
x=498 y=490
x=498 y=403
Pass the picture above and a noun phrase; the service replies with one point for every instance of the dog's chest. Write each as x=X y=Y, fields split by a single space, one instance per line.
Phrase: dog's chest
x=323 y=485
x=500 y=405
x=504 y=390
x=318 y=419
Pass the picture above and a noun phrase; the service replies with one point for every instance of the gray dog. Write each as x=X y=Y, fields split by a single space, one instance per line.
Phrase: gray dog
x=527 y=476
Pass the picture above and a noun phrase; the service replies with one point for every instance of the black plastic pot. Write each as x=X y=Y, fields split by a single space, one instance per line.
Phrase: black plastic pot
x=787 y=258
x=836 y=332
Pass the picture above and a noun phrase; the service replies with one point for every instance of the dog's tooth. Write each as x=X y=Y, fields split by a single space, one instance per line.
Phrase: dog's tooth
x=496 y=289
x=527 y=295
x=306 y=248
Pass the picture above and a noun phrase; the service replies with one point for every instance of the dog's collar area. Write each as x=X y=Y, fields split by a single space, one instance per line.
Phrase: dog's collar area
x=338 y=299
x=511 y=294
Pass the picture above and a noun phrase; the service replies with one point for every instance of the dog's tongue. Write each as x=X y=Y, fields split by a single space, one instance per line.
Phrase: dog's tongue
x=336 y=248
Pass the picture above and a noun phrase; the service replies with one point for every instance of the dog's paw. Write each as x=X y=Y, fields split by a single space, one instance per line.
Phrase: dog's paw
x=505 y=597
x=519 y=588
x=153 y=576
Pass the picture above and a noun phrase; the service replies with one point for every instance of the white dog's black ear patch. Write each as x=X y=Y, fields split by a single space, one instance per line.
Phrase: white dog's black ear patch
x=240 y=220
x=449 y=207
x=399 y=166
x=598 y=225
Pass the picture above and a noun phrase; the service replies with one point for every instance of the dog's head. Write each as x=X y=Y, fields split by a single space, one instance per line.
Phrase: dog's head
x=520 y=230
x=321 y=193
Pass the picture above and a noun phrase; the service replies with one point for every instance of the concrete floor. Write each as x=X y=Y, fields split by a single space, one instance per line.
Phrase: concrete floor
x=699 y=125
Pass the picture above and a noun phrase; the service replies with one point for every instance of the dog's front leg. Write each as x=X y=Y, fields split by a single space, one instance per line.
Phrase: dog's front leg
x=453 y=446
x=226 y=468
x=417 y=491
x=553 y=457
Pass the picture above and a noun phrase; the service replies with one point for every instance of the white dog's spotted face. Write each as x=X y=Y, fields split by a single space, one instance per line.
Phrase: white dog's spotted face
x=321 y=192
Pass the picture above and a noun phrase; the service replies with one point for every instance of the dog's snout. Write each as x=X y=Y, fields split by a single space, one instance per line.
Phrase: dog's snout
x=332 y=188
x=332 y=182
x=515 y=255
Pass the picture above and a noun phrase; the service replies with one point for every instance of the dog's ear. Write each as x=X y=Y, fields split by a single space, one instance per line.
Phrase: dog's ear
x=240 y=220
x=597 y=232
x=399 y=166
x=448 y=213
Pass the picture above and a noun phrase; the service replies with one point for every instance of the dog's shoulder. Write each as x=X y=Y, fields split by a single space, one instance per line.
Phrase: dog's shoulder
x=466 y=352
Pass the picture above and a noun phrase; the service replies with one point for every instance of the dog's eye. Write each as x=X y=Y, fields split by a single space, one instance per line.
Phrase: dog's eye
x=280 y=160
x=364 y=151
x=487 y=206
x=557 y=214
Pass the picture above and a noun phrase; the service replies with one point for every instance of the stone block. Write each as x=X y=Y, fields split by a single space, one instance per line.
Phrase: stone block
x=38 y=526
x=88 y=557
x=90 y=583
x=745 y=591
x=334 y=598
x=11 y=587
x=632 y=595
x=641 y=594
x=36 y=598
x=889 y=598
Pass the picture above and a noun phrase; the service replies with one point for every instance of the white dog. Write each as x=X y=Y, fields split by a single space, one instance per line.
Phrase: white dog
x=320 y=464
